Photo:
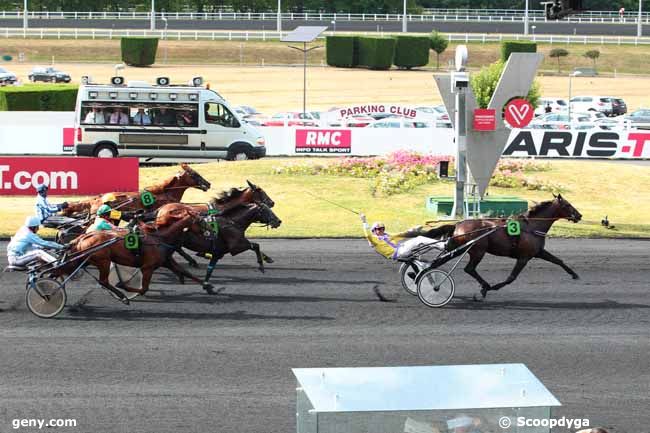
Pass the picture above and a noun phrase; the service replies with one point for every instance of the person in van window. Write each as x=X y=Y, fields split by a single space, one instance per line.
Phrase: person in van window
x=141 y=118
x=165 y=118
x=95 y=116
x=119 y=117
x=186 y=119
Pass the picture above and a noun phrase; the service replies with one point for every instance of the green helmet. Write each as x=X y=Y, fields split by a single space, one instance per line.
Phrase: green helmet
x=103 y=210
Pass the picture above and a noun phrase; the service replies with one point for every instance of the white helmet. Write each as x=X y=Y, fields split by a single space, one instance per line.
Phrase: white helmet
x=32 y=221
x=41 y=187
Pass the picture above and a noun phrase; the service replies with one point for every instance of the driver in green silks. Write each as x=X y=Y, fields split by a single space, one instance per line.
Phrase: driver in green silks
x=102 y=220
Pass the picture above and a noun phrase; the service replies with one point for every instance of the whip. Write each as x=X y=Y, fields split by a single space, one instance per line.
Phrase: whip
x=332 y=203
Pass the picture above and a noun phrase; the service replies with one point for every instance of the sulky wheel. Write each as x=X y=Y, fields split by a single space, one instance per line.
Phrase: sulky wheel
x=435 y=288
x=408 y=281
x=45 y=297
x=125 y=276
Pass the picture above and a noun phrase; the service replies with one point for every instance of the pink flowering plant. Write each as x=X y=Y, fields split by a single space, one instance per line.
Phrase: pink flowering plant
x=513 y=173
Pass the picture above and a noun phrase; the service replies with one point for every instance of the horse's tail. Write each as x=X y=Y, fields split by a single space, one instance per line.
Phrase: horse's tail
x=443 y=231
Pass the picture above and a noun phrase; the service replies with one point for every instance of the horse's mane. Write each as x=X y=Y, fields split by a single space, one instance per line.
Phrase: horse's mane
x=539 y=207
x=225 y=196
x=159 y=188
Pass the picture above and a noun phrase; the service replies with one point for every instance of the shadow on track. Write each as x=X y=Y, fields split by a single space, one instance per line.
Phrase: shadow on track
x=470 y=304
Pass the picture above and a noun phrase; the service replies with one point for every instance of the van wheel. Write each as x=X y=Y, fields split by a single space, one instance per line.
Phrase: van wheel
x=105 y=151
x=239 y=154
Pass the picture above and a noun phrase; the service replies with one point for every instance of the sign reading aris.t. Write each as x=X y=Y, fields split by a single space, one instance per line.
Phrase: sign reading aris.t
x=67 y=175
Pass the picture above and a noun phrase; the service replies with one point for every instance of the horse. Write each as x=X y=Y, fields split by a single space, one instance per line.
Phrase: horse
x=170 y=190
x=534 y=225
x=157 y=246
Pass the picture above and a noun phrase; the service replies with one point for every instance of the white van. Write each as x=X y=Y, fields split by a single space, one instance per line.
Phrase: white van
x=161 y=121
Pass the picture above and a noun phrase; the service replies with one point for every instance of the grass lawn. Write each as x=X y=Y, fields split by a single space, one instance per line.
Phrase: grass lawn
x=596 y=188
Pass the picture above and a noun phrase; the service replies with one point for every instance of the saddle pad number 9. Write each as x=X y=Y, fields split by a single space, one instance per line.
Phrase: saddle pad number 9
x=147 y=198
x=131 y=241
x=513 y=228
x=214 y=225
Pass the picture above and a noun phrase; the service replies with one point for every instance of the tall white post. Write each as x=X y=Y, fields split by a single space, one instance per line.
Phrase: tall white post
x=279 y=16
x=404 y=25
x=639 y=28
x=526 y=19
x=152 y=27
x=25 y=24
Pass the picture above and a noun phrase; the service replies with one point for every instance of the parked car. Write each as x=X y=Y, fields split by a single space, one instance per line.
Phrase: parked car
x=398 y=122
x=639 y=119
x=619 y=106
x=439 y=111
x=556 y=104
x=292 y=119
x=7 y=77
x=561 y=121
x=49 y=75
x=593 y=116
x=250 y=111
x=592 y=103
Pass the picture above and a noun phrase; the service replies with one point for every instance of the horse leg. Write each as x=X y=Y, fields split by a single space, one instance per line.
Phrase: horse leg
x=190 y=261
x=545 y=255
x=177 y=269
x=104 y=270
x=213 y=262
x=475 y=257
x=260 y=260
x=147 y=273
x=519 y=266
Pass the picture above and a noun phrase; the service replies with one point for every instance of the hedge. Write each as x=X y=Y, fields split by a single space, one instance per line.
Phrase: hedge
x=508 y=47
x=376 y=53
x=139 y=51
x=411 y=51
x=39 y=97
x=342 y=51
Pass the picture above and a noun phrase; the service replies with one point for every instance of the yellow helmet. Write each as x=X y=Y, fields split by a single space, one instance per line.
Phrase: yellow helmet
x=108 y=197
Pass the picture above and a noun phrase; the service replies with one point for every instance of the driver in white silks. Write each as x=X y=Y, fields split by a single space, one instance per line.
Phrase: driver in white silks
x=26 y=246
x=399 y=246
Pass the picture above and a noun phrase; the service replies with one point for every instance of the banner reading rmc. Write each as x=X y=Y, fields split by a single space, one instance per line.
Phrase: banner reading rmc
x=68 y=175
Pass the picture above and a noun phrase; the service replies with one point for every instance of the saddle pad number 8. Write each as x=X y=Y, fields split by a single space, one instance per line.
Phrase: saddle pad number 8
x=513 y=228
x=131 y=241
x=147 y=198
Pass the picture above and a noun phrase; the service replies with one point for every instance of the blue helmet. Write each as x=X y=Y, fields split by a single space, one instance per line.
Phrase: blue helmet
x=32 y=221
x=40 y=187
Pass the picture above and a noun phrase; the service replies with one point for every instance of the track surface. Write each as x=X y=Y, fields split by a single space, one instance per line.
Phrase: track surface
x=555 y=28
x=183 y=361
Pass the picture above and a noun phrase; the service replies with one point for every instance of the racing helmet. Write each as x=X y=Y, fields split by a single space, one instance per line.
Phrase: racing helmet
x=378 y=225
x=32 y=221
x=40 y=187
x=108 y=197
x=103 y=210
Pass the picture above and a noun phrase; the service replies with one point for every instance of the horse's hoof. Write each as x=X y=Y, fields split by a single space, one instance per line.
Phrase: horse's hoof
x=478 y=299
x=484 y=292
x=125 y=301
x=576 y=276
x=208 y=288
x=181 y=279
x=267 y=259
x=261 y=269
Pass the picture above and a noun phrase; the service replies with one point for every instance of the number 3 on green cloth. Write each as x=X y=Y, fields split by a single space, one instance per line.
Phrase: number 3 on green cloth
x=513 y=228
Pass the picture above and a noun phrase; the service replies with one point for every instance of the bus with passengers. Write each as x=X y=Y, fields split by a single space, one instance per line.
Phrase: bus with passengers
x=162 y=121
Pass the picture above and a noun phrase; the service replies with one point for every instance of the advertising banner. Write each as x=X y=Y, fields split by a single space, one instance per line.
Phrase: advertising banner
x=323 y=141
x=68 y=175
x=485 y=119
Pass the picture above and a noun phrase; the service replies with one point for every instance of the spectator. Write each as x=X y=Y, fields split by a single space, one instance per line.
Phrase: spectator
x=141 y=118
x=548 y=108
x=118 y=117
x=95 y=116
x=186 y=118
x=165 y=118
x=621 y=13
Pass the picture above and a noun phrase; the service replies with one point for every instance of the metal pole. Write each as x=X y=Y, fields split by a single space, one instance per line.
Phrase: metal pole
x=304 y=80
x=279 y=26
x=639 y=28
x=25 y=23
x=570 y=88
x=404 y=25
x=526 y=19
x=461 y=155
x=152 y=27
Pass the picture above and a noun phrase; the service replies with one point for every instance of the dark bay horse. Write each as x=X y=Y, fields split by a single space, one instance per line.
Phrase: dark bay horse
x=170 y=190
x=157 y=247
x=535 y=223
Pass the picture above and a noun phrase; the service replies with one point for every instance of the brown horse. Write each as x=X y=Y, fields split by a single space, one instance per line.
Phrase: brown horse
x=528 y=245
x=157 y=248
x=171 y=190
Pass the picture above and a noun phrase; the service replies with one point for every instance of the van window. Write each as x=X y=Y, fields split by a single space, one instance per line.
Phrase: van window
x=218 y=114
x=139 y=114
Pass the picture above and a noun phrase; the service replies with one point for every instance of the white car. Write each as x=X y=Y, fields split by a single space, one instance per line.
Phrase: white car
x=603 y=104
x=7 y=77
x=398 y=122
x=561 y=121
x=438 y=111
x=557 y=105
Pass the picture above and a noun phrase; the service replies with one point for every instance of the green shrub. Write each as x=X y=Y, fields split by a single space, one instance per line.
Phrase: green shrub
x=139 y=51
x=438 y=44
x=484 y=83
x=341 y=51
x=39 y=97
x=411 y=51
x=508 y=47
x=376 y=53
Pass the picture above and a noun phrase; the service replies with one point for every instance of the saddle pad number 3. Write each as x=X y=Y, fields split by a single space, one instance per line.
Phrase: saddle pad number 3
x=131 y=241
x=147 y=198
x=513 y=228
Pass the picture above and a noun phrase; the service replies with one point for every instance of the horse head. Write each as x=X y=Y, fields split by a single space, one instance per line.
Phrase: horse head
x=259 y=195
x=566 y=209
x=191 y=178
x=267 y=216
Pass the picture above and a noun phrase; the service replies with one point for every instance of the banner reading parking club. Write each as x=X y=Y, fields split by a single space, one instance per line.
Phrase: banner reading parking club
x=68 y=176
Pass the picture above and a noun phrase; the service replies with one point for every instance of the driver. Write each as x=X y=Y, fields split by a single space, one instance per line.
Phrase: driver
x=399 y=246
x=102 y=220
x=26 y=246
x=45 y=211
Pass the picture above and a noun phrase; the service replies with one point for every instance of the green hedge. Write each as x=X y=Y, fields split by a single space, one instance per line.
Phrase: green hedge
x=411 y=51
x=376 y=53
x=342 y=51
x=508 y=47
x=39 y=97
x=139 y=51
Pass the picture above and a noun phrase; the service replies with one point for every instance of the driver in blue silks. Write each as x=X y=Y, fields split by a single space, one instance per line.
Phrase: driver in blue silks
x=26 y=246
x=46 y=211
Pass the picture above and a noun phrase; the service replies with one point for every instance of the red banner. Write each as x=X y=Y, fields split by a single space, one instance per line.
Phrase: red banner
x=68 y=175
x=323 y=140
x=485 y=119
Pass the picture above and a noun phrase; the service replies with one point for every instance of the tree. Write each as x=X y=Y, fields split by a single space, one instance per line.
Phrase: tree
x=438 y=44
x=593 y=55
x=558 y=53
x=485 y=82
